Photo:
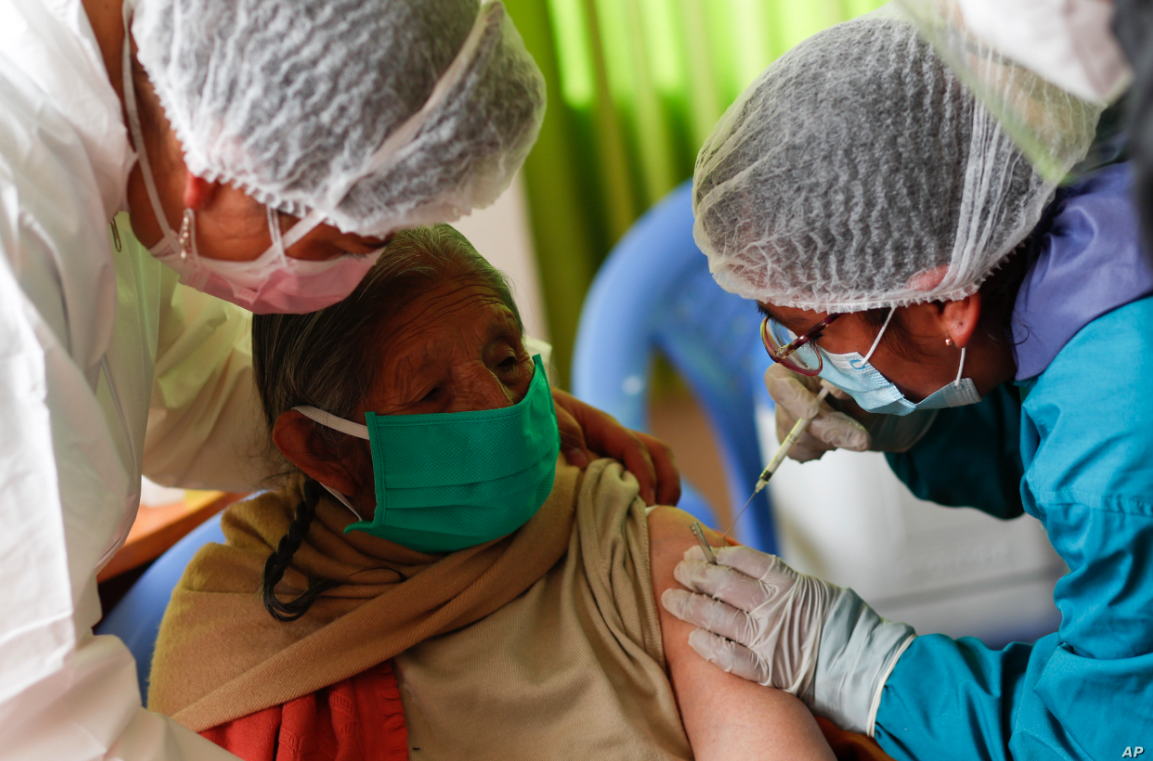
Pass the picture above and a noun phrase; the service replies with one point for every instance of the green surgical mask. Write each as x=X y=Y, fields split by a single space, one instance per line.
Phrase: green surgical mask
x=452 y=480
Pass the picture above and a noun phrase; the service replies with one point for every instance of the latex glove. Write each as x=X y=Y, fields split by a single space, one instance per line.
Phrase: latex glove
x=768 y=616
x=586 y=433
x=796 y=396
x=761 y=620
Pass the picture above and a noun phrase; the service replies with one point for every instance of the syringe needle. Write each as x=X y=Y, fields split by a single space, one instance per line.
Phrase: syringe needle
x=733 y=525
x=782 y=452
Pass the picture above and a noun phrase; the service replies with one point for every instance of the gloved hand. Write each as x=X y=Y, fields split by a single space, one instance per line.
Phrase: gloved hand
x=761 y=620
x=796 y=396
x=768 y=616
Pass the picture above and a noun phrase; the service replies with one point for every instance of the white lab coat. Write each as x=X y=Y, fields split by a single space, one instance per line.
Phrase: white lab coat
x=107 y=368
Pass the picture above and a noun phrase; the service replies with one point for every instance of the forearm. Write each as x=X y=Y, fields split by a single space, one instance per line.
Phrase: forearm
x=205 y=424
x=953 y=699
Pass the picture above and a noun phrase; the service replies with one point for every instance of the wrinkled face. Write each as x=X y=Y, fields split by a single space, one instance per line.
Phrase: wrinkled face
x=455 y=347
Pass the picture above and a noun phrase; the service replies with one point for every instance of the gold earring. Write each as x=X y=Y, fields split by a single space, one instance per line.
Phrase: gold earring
x=948 y=340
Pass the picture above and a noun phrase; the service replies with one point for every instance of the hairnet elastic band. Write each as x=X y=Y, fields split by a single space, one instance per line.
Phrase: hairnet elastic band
x=404 y=134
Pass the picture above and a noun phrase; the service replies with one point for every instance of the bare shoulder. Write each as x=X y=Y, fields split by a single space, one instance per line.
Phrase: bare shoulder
x=669 y=537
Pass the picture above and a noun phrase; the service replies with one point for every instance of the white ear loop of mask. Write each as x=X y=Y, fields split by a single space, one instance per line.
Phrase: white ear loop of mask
x=329 y=420
x=274 y=230
x=138 y=138
x=877 y=342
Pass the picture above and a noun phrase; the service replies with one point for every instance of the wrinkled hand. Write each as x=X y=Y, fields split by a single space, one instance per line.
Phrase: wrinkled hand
x=796 y=397
x=586 y=434
x=756 y=617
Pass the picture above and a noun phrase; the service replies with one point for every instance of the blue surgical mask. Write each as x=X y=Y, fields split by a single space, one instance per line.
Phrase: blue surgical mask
x=854 y=375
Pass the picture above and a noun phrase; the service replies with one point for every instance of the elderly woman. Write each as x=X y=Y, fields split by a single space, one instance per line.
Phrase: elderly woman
x=436 y=582
x=988 y=330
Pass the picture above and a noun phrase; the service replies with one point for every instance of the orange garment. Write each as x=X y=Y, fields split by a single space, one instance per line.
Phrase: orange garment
x=358 y=718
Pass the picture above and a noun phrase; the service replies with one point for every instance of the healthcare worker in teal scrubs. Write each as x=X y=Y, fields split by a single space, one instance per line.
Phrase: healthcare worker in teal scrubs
x=994 y=333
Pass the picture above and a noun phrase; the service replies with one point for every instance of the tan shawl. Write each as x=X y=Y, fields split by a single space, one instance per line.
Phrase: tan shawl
x=220 y=656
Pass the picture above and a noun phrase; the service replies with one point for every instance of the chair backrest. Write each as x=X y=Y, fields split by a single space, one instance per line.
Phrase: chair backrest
x=655 y=293
x=136 y=618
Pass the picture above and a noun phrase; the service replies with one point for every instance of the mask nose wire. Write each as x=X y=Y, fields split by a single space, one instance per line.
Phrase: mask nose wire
x=877 y=341
x=274 y=232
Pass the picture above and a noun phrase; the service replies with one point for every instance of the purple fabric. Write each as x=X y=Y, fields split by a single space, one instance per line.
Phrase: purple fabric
x=1089 y=261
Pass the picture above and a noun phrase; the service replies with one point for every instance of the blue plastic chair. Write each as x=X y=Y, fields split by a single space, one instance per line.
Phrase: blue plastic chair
x=655 y=293
x=136 y=618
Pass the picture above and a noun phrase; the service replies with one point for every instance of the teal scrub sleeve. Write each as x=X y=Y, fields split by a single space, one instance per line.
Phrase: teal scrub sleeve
x=970 y=457
x=1085 y=692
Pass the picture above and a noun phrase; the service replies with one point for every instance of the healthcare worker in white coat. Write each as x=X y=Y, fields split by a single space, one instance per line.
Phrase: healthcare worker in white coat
x=257 y=152
x=989 y=331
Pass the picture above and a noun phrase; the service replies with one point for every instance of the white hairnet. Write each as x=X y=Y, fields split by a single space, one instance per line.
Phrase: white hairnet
x=858 y=172
x=379 y=114
x=1052 y=126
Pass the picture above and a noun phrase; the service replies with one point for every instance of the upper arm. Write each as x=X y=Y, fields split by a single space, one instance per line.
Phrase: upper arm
x=1086 y=435
x=724 y=715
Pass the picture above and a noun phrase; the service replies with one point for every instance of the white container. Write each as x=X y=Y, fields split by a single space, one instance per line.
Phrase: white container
x=848 y=519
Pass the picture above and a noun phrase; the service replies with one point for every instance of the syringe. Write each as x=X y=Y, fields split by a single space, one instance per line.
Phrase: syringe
x=782 y=452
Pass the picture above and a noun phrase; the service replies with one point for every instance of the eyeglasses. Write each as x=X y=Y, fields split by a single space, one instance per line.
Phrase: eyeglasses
x=797 y=354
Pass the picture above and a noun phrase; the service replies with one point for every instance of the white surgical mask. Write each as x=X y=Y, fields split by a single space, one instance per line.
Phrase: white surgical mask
x=853 y=374
x=1068 y=42
x=273 y=283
